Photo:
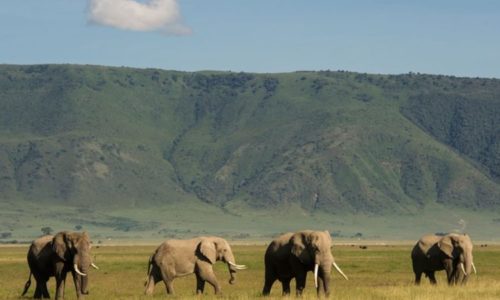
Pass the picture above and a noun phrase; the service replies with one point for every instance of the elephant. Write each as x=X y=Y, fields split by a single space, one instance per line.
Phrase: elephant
x=56 y=256
x=292 y=255
x=451 y=252
x=175 y=258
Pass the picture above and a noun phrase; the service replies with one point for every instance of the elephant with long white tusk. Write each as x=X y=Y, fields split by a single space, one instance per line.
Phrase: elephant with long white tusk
x=175 y=258
x=292 y=255
x=56 y=256
x=451 y=252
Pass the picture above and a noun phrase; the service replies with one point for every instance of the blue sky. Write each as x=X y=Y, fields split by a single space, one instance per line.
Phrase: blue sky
x=440 y=37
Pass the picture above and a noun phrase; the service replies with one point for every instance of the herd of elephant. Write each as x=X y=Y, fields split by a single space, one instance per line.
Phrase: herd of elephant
x=289 y=256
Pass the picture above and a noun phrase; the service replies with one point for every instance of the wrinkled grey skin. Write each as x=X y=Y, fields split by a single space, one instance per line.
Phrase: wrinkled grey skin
x=434 y=253
x=176 y=258
x=55 y=256
x=292 y=255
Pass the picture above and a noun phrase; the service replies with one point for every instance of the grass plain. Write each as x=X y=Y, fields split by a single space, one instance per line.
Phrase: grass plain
x=378 y=272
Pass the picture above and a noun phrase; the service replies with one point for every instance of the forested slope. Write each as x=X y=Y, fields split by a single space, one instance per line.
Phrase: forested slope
x=323 y=141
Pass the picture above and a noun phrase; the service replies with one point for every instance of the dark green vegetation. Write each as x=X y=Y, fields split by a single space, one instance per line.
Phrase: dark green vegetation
x=98 y=139
x=378 y=272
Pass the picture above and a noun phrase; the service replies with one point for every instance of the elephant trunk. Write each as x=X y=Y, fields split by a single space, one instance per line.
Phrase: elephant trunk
x=232 y=272
x=81 y=266
x=84 y=285
x=468 y=262
x=232 y=267
x=322 y=270
x=325 y=269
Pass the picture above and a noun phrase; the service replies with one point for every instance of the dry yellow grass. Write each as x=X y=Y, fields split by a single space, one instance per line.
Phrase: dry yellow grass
x=379 y=272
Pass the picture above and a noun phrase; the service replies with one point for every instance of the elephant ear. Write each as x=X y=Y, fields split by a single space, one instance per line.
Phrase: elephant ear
x=446 y=245
x=315 y=240
x=60 y=245
x=207 y=249
x=299 y=244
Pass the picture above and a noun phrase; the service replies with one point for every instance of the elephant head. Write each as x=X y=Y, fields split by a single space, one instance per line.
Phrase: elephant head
x=459 y=248
x=314 y=248
x=218 y=249
x=74 y=249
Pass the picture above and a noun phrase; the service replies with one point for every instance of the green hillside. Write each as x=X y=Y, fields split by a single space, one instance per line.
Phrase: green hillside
x=91 y=139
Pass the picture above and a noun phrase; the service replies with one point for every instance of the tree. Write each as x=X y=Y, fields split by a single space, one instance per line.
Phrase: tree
x=47 y=230
x=5 y=235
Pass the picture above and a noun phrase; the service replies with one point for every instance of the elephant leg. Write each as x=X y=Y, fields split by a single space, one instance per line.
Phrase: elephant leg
x=321 y=282
x=41 y=290
x=150 y=285
x=457 y=275
x=300 y=282
x=418 y=277
x=432 y=277
x=200 y=284
x=168 y=282
x=452 y=277
x=78 y=286
x=269 y=278
x=450 y=270
x=208 y=275
x=325 y=283
x=154 y=277
x=417 y=270
x=39 y=281
x=285 y=282
x=45 y=291
x=170 y=287
x=38 y=290
x=60 y=284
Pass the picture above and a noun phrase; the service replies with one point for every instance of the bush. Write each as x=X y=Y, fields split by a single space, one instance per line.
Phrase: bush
x=5 y=235
x=47 y=230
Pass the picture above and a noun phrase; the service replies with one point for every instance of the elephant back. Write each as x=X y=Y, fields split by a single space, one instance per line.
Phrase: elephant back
x=40 y=244
x=281 y=243
x=427 y=242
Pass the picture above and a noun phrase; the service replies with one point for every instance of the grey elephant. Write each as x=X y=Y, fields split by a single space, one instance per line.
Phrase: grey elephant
x=175 y=258
x=292 y=255
x=451 y=252
x=56 y=256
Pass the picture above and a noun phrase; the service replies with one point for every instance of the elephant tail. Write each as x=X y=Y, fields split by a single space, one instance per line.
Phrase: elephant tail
x=27 y=285
x=150 y=263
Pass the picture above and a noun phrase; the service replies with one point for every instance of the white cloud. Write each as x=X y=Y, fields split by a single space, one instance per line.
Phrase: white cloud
x=152 y=15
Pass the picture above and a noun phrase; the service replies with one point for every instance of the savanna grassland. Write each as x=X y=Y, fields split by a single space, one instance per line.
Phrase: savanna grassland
x=378 y=272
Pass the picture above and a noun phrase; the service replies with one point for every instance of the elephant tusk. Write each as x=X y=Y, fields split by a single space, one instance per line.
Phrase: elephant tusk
x=474 y=268
x=94 y=266
x=339 y=270
x=316 y=267
x=463 y=269
x=238 y=267
x=78 y=271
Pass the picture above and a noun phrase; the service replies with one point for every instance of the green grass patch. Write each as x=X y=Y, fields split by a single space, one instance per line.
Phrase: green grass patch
x=378 y=272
